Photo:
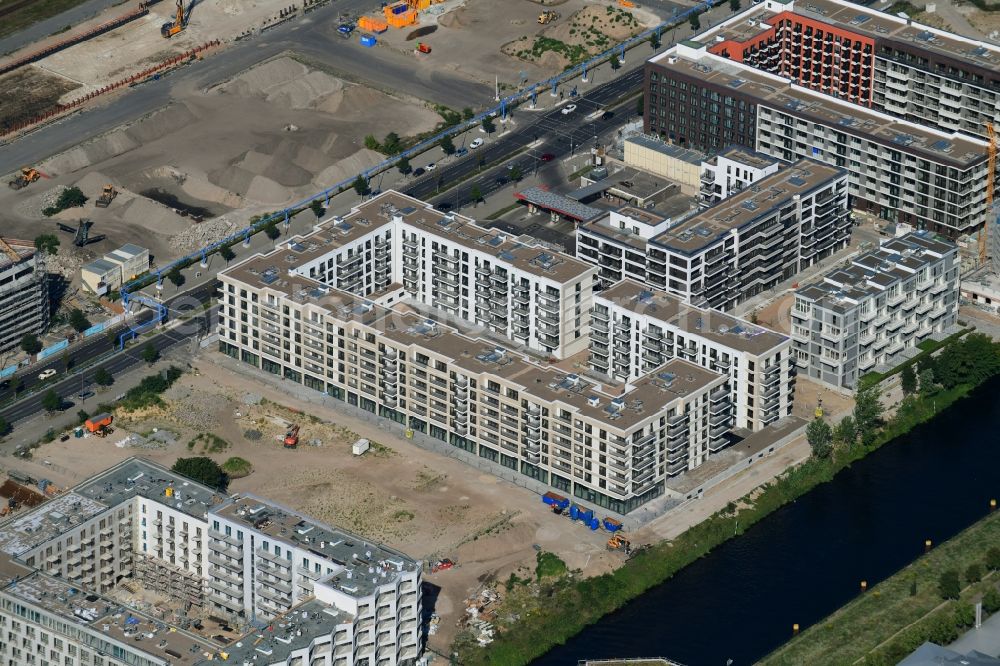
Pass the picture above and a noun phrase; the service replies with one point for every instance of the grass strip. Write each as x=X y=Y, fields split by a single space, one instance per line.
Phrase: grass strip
x=24 y=14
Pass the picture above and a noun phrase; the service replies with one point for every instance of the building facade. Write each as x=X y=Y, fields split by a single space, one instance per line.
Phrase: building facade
x=608 y=443
x=909 y=134
x=330 y=598
x=636 y=330
x=520 y=291
x=886 y=301
x=24 y=293
x=732 y=170
x=722 y=255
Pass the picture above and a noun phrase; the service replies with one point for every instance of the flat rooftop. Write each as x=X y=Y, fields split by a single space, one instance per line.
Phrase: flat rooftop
x=750 y=158
x=710 y=324
x=564 y=205
x=763 y=198
x=872 y=272
x=778 y=93
x=25 y=249
x=360 y=565
x=121 y=483
x=688 y=155
x=114 y=620
x=635 y=183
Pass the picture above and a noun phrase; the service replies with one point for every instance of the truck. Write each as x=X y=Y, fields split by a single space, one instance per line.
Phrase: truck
x=99 y=424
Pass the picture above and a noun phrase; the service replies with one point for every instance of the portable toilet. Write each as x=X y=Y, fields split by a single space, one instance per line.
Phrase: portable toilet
x=574 y=512
x=367 y=41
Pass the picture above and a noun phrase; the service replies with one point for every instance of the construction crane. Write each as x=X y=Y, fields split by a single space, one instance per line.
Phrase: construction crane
x=991 y=168
x=180 y=21
x=9 y=251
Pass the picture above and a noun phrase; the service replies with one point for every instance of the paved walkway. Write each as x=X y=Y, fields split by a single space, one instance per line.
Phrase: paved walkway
x=986 y=639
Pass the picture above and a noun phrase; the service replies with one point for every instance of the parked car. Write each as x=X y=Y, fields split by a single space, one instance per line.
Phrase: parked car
x=476 y=143
x=419 y=171
x=345 y=29
x=83 y=395
x=548 y=157
x=444 y=205
x=45 y=374
x=607 y=115
x=431 y=167
x=568 y=109
x=502 y=180
x=461 y=151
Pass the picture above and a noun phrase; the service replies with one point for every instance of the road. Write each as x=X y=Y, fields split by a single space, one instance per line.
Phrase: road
x=314 y=37
x=73 y=16
x=69 y=386
x=560 y=134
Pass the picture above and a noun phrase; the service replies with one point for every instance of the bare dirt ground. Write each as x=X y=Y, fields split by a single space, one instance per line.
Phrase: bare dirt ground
x=427 y=505
x=29 y=91
x=775 y=315
x=299 y=130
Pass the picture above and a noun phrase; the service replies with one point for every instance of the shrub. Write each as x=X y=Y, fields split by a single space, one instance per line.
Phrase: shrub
x=237 y=468
x=974 y=573
x=203 y=470
x=948 y=585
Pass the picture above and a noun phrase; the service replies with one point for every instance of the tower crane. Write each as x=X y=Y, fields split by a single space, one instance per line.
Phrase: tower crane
x=991 y=168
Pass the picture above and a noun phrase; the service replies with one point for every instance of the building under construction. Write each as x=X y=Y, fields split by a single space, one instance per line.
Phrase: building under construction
x=24 y=292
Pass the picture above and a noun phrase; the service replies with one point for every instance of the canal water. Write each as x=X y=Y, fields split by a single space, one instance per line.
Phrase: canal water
x=807 y=559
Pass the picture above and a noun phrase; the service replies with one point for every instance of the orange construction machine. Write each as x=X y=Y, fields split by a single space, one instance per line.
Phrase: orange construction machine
x=423 y=48
x=99 y=424
x=179 y=23
x=27 y=176
x=292 y=437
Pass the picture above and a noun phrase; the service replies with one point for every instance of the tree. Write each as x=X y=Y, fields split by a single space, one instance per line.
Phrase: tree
x=993 y=559
x=447 y=145
x=868 y=411
x=515 y=173
x=176 y=277
x=476 y=194
x=317 y=208
x=819 y=435
x=695 y=23
x=948 y=585
x=51 y=402
x=70 y=197
x=615 y=62
x=82 y=416
x=30 y=344
x=735 y=5
x=271 y=230
x=468 y=114
x=78 y=320
x=203 y=470
x=102 y=377
x=640 y=105
x=227 y=253
x=360 y=186
x=4 y=427
x=908 y=380
x=991 y=600
x=371 y=143
x=654 y=41
x=974 y=573
x=927 y=385
x=392 y=144
x=488 y=125
x=149 y=354
x=47 y=243
x=404 y=166
x=846 y=431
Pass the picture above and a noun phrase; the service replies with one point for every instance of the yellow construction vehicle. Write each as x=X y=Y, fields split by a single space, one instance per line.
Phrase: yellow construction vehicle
x=107 y=196
x=168 y=30
x=27 y=176
x=618 y=542
x=547 y=17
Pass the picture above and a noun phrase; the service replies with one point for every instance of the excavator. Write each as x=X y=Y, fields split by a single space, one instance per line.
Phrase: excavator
x=82 y=232
x=108 y=195
x=181 y=18
x=27 y=176
x=547 y=17
x=292 y=437
x=618 y=542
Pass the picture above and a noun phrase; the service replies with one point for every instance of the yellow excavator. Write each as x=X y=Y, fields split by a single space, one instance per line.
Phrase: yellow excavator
x=180 y=21
x=547 y=17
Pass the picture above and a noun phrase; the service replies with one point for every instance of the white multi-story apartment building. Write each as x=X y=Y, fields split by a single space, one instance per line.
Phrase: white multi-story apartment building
x=330 y=598
x=636 y=330
x=609 y=443
x=887 y=300
x=901 y=106
x=725 y=254
x=730 y=171
x=511 y=286
x=24 y=292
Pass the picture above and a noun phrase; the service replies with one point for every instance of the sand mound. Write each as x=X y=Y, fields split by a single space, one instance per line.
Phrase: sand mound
x=349 y=167
x=92 y=152
x=457 y=19
x=266 y=191
x=286 y=83
x=153 y=216
x=173 y=118
x=93 y=183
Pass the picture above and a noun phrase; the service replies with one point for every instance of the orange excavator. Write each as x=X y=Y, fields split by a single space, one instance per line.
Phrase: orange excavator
x=180 y=21
x=292 y=437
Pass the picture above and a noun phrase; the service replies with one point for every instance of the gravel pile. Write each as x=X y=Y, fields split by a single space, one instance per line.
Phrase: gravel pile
x=201 y=413
x=198 y=236
x=253 y=435
x=251 y=399
x=66 y=263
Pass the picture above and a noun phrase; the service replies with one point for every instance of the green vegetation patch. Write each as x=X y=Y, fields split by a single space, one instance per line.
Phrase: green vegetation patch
x=237 y=468
x=147 y=393
x=548 y=565
x=208 y=443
